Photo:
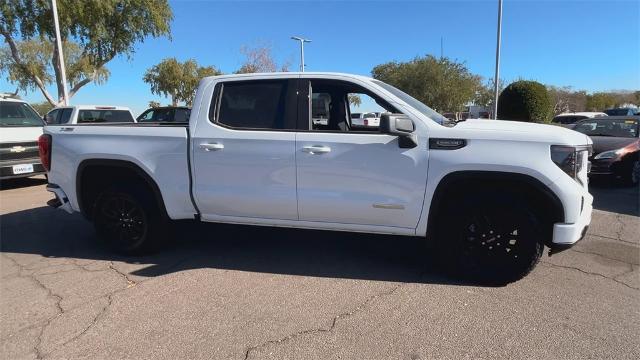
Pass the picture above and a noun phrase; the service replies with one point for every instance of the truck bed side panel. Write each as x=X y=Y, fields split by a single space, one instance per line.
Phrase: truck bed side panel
x=160 y=151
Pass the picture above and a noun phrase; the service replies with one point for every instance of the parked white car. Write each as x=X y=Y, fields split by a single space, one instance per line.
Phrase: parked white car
x=89 y=114
x=20 y=127
x=495 y=193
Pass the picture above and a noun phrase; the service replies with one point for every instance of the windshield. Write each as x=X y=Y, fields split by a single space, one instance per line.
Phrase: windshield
x=18 y=114
x=422 y=108
x=619 y=112
x=627 y=128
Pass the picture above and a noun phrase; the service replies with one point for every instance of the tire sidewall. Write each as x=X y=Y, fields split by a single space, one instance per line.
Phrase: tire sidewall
x=505 y=210
x=151 y=221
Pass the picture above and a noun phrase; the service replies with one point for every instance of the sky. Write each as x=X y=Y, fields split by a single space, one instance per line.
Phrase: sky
x=588 y=45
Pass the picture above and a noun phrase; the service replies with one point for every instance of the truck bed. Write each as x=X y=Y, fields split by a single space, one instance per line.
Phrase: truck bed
x=160 y=150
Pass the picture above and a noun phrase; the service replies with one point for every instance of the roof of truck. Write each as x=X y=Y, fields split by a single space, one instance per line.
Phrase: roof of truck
x=93 y=107
x=291 y=74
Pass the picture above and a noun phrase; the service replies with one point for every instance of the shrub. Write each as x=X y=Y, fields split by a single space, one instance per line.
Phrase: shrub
x=525 y=101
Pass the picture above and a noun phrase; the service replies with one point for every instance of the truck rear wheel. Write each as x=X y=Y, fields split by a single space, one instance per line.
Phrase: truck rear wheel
x=493 y=239
x=127 y=221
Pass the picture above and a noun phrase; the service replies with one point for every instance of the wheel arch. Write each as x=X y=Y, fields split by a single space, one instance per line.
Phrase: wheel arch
x=93 y=175
x=455 y=184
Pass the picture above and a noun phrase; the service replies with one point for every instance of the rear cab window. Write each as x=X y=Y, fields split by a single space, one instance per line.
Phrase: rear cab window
x=91 y=116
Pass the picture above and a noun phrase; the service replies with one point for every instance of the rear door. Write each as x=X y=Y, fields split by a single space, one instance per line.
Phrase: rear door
x=243 y=151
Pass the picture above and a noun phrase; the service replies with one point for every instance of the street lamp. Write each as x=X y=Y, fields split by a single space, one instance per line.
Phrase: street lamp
x=497 y=77
x=302 y=41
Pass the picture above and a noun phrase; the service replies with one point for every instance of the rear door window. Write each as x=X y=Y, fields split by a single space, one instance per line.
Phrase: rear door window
x=259 y=104
x=104 y=116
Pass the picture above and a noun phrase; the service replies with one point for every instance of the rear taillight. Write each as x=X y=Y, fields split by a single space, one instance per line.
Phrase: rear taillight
x=366 y=122
x=44 y=148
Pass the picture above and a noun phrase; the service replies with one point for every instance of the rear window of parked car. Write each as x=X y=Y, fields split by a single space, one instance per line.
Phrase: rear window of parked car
x=103 y=116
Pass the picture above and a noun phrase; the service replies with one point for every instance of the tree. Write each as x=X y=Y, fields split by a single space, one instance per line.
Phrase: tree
x=600 y=101
x=355 y=100
x=443 y=84
x=154 y=104
x=485 y=93
x=42 y=107
x=525 y=101
x=564 y=99
x=177 y=80
x=260 y=59
x=93 y=32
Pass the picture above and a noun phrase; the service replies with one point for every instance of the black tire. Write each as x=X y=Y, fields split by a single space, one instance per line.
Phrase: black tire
x=493 y=239
x=129 y=221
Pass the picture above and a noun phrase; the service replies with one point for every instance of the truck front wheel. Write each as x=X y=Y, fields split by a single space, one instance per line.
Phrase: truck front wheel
x=127 y=221
x=493 y=239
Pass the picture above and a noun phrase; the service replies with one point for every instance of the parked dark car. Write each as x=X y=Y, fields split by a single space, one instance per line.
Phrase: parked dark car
x=615 y=146
x=621 y=112
x=173 y=114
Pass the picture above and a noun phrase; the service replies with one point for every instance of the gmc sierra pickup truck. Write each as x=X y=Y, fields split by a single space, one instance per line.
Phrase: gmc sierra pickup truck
x=489 y=195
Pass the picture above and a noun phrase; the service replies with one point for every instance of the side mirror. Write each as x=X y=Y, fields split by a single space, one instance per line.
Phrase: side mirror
x=401 y=126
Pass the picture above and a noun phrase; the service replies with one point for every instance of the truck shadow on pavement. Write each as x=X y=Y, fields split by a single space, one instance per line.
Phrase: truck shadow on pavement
x=54 y=234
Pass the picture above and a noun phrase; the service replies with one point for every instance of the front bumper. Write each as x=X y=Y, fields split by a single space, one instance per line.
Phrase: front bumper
x=6 y=168
x=566 y=235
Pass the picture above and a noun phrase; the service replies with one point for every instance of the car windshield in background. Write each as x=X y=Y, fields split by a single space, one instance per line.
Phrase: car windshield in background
x=18 y=114
x=414 y=103
x=103 y=116
x=619 y=112
x=627 y=128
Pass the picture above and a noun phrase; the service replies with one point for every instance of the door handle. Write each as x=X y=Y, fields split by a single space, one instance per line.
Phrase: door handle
x=316 y=149
x=211 y=146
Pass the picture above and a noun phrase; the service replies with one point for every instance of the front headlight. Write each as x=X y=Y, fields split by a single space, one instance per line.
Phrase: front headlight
x=571 y=159
x=608 y=154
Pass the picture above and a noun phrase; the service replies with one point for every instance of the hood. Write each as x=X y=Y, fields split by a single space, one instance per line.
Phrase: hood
x=525 y=131
x=606 y=143
x=9 y=134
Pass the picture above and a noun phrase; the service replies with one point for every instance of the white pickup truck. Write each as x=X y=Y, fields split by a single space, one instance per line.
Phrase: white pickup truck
x=487 y=194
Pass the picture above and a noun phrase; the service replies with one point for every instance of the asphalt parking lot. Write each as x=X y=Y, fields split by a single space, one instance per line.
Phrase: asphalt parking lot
x=239 y=292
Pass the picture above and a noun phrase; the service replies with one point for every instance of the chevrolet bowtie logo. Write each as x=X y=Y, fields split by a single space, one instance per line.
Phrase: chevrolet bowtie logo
x=18 y=149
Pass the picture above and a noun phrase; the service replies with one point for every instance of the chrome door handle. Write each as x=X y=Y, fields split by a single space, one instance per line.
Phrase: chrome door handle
x=211 y=146
x=316 y=149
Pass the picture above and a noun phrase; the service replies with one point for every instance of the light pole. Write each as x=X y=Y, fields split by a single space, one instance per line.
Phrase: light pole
x=497 y=76
x=302 y=41
x=63 y=72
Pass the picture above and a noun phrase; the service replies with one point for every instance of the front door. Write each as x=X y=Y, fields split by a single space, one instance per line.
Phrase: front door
x=353 y=174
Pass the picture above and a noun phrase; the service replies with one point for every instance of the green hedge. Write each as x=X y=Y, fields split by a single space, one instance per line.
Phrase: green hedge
x=525 y=101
